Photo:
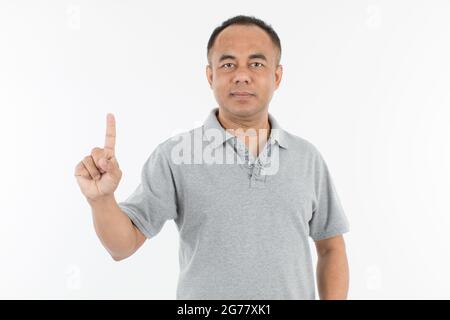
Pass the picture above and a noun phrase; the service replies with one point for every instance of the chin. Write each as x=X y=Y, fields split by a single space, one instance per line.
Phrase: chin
x=243 y=109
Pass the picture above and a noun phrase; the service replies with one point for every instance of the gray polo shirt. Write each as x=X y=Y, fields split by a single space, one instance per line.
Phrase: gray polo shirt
x=243 y=224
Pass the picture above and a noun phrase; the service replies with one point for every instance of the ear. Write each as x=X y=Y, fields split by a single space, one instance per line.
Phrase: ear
x=278 y=75
x=209 y=75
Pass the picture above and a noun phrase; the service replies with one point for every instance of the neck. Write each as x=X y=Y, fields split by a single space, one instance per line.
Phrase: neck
x=245 y=128
x=232 y=122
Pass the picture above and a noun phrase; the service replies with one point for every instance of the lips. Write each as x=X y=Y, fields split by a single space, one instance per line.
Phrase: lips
x=241 y=93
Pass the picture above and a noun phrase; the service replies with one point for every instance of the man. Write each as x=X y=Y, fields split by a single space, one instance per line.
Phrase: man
x=244 y=225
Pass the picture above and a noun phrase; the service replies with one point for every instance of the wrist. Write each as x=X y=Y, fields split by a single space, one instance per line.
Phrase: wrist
x=102 y=200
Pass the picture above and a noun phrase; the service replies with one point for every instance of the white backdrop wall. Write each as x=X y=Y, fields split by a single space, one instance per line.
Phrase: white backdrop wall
x=367 y=82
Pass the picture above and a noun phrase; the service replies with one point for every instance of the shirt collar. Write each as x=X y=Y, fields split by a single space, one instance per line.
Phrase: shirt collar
x=276 y=133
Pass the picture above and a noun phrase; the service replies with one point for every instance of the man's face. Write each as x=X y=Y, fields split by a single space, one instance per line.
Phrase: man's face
x=243 y=70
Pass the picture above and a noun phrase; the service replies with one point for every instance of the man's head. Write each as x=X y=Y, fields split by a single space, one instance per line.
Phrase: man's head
x=244 y=65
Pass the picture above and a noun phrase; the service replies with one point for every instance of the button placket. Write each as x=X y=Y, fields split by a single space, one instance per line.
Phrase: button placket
x=254 y=166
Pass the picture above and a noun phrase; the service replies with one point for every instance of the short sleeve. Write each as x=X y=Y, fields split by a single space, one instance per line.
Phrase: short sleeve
x=154 y=200
x=328 y=217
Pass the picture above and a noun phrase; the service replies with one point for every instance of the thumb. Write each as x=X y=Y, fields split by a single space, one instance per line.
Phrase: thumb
x=105 y=164
x=109 y=165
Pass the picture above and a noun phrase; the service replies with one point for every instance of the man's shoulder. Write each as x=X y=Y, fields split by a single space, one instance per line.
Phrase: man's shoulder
x=300 y=144
x=182 y=139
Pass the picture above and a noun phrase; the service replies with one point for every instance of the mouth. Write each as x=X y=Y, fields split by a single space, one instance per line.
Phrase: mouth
x=242 y=94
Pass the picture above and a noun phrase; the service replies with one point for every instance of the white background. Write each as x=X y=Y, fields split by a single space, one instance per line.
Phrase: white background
x=367 y=82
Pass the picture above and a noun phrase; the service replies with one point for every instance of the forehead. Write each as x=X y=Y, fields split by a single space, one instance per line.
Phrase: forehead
x=238 y=39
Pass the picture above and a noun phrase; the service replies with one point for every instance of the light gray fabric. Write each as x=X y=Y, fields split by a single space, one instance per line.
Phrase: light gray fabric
x=243 y=234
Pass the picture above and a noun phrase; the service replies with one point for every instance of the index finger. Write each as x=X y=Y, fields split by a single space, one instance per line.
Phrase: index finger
x=110 y=138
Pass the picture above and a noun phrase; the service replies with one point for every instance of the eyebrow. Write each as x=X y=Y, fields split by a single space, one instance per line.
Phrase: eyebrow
x=258 y=56
x=252 y=56
x=226 y=57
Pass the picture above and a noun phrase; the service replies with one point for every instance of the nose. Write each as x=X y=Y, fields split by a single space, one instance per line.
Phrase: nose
x=241 y=76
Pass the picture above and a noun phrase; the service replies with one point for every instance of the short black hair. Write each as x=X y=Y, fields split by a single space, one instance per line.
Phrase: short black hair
x=245 y=21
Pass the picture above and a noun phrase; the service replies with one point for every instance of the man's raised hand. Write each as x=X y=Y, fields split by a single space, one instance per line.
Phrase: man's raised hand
x=98 y=174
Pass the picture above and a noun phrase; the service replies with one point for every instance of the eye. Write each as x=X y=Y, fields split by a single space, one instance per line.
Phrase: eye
x=257 y=64
x=227 y=65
